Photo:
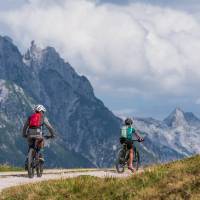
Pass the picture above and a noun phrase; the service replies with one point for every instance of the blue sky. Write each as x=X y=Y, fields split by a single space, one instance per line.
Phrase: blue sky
x=140 y=56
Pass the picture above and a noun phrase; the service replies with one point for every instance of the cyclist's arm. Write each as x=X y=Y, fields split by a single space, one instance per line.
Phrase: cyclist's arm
x=25 y=128
x=49 y=127
x=138 y=136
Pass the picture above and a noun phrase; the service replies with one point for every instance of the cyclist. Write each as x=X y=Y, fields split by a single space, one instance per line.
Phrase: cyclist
x=128 y=132
x=32 y=129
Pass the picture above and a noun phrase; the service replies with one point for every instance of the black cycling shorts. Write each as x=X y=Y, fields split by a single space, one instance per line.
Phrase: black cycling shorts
x=129 y=143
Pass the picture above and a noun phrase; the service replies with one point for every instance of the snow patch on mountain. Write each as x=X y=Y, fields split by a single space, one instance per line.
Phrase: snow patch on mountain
x=4 y=92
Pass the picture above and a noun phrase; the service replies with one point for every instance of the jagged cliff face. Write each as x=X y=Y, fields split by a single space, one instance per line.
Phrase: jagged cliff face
x=83 y=122
x=84 y=125
x=15 y=106
x=12 y=99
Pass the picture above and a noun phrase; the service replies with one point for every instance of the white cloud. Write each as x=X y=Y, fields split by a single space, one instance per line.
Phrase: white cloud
x=197 y=101
x=137 y=47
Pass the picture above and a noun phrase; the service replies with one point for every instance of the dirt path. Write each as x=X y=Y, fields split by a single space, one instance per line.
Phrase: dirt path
x=10 y=179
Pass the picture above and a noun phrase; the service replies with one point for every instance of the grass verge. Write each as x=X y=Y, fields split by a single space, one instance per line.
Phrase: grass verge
x=176 y=180
x=8 y=168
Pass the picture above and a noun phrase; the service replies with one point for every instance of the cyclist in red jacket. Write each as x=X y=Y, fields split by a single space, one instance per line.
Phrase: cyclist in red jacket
x=32 y=129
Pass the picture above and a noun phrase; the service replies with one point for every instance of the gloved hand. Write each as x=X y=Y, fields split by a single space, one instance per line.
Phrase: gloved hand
x=51 y=136
x=140 y=139
x=47 y=137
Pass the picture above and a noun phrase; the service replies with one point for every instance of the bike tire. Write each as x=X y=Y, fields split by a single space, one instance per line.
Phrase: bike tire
x=120 y=162
x=39 y=169
x=136 y=160
x=30 y=163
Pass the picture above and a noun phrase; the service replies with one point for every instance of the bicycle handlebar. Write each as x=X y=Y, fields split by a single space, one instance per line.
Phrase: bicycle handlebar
x=47 y=136
x=138 y=140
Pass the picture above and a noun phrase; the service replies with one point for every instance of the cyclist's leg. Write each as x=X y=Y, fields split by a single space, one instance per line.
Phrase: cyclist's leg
x=130 y=163
x=31 y=143
x=131 y=155
x=40 y=145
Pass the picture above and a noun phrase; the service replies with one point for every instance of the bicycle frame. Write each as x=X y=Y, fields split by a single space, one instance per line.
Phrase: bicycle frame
x=34 y=161
x=123 y=157
x=127 y=151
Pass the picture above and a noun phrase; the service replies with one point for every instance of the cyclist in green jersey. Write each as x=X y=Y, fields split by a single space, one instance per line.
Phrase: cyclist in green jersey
x=128 y=139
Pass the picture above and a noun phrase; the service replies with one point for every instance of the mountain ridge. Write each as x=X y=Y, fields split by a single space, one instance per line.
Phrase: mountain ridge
x=72 y=107
x=88 y=132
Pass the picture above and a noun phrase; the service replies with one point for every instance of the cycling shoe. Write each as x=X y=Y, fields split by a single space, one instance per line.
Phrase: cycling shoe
x=132 y=169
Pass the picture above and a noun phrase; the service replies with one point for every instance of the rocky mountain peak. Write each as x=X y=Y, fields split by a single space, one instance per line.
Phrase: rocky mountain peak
x=180 y=118
x=47 y=61
x=7 y=48
x=34 y=53
x=178 y=112
x=176 y=118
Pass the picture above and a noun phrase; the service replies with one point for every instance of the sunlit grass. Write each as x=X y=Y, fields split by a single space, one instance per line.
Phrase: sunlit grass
x=176 y=180
x=7 y=168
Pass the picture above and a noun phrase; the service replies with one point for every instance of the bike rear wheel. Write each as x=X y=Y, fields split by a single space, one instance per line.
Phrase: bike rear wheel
x=31 y=163
x=121 y=161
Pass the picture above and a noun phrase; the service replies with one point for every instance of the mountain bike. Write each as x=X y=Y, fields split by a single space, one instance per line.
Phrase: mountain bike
x=123 y=157
x=35 y=160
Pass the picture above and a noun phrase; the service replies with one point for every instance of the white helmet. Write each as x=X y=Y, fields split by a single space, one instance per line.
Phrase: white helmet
x=39 y=108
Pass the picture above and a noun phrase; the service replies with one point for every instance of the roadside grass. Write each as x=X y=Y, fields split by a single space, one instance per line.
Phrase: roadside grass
x=175 y=180
x=8 y=168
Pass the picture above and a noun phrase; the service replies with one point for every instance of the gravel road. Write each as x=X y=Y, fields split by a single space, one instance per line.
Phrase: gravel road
x=9 y=179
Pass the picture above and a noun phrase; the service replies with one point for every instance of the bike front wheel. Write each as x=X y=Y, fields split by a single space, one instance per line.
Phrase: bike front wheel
x=136 y=160
x=120 y=162
x=31 y=163
x=39 y=169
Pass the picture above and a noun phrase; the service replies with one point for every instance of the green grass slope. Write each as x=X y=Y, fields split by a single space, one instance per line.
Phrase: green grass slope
x=176 y=180
x=8 y=168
